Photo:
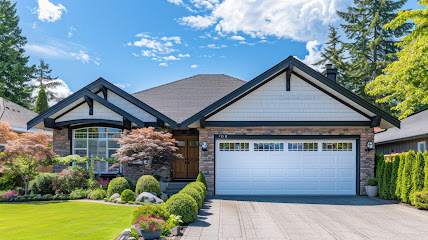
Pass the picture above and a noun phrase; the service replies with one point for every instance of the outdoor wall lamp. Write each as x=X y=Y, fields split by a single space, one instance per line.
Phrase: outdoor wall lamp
x=369 y=146
x=204 y=146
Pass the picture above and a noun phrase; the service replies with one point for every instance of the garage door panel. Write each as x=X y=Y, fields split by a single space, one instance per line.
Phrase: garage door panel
x=328 y=173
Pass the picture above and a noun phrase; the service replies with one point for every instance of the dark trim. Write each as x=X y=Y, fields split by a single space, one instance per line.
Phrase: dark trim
x=245 y=94
x=67 y=124
x=332 y=96
x=308 y=70
x=375 y=121
x=202 y=123
x=358 y=146
x=285 y=137
x=402 y=139
x=160 y=123
x=286 y=123
x=288 y=77
x=126 y=123
x=49 y=122
x=90 y=103
x=104 y=91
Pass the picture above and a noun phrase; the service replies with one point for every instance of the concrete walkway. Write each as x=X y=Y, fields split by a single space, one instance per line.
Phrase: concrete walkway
x=277 y=218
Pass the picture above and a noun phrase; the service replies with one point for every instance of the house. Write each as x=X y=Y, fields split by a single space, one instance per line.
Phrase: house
x=412 y=135
x=17 y=117
x=290 y=130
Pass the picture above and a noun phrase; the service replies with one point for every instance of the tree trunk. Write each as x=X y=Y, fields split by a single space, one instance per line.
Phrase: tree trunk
x=26 y=187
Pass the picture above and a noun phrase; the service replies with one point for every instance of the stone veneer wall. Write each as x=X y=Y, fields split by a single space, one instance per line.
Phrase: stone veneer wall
x=134 y=172
x=206 y=158
x=61 y=146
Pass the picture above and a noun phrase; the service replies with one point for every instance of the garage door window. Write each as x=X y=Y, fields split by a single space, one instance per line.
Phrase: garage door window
x=292 y=147
x=234 y=146
x=337 y=147
x=259 y=147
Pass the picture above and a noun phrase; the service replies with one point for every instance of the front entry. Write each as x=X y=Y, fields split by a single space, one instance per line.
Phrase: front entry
x=188 y=166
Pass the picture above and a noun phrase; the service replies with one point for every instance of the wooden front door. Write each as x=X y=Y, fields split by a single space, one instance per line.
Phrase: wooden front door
x=188 y=166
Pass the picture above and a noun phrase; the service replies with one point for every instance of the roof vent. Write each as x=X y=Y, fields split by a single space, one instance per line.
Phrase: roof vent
x=330 y=72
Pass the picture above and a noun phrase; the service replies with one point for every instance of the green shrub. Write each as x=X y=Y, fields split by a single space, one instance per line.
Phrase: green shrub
x=42 y=184
x=134 y=234
x=406 y=183
x=400 y=175
x=122 y=202
x=418 y=174
x=127 y=195
x=379 y=171
x=420 y=200
x=97 y=194
x=131 y=202
x=426 y=171
x=386 y=180
x=200 y=187
x=394 y=175
x=183 y=205
x=79 y=193
x=118 y=185
x=172 y=222
x=195 y=194
x=147 y=183
x=10 y=181
x=372 y=182
x=70 y=179
x=201 y=178
x=153 y=210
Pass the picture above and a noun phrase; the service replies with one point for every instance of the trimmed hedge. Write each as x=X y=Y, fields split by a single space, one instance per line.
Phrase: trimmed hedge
x=127 y=195
x=42 y=184
x=418 y=174
x=406 y=183
x=97 y=194
x=118 y=185
x=400 y=175
x=152 y=210
x=147 y=183
x=195 y=194
x=394 y=176
x=386 y=180
x=420 y=200
x=201 y=178
x=426 y=171
x=372 y=182
x=183 y=205
x=200 y=187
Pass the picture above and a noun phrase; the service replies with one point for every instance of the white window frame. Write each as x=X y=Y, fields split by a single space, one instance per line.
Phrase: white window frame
x=87 y=140
x=419 y=146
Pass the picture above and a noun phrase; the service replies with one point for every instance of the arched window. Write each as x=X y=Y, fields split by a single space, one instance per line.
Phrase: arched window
x=96 y=141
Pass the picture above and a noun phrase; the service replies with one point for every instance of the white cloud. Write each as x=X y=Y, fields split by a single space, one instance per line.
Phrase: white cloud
x=82 y=56
x=183 y=55
x=194 y=66
x=48 y=11
x=60 y=51
x=237 y=38
x=122 y=85
x=176 y=2
x=199 y=22
x=213 y=46
x=70 y=32
x=62 y=91
x=163 y=64
x=170 y=58
x=314 y=49
x=176 y=39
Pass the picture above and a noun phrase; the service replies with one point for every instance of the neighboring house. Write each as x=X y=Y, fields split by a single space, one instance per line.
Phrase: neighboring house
x=412 y=135
x=17 y=116
x=290 y=130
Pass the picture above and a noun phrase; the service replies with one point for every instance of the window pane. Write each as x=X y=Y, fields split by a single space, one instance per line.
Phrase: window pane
x=97 y=148
x=114 y=130
x=110 y=152
x=81 y=130
x=80 y=143
x=113 y=144
x=194 y=143
x=221 y=146
x=81 y=153
x=113 y=135
x=181 y=143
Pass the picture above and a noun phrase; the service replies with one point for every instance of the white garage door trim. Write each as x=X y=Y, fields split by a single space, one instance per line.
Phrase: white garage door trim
x=302 y=172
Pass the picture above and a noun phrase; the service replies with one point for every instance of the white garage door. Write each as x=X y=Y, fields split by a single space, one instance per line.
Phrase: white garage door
x=280 y=167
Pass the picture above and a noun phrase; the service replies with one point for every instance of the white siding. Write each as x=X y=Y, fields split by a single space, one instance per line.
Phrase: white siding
x=272 y=102
x=129 y=107
x=82 y=112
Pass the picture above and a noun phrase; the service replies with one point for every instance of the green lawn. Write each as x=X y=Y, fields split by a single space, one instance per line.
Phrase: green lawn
x=63 y=220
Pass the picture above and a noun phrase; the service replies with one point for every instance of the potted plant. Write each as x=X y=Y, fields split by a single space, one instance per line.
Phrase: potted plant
x=150 y=227
x=372 y=188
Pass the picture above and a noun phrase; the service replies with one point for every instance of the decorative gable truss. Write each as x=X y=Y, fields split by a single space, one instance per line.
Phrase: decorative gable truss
x=100 y=102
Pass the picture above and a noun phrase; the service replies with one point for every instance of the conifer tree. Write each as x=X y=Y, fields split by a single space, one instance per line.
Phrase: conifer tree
x=394 y=176
x=418 y=173
x=380 y=166
x=46 y=81
x=406 y=183
x=400 y=175
x=386 y=180
x=14 y=72
x=426 y=171
x=42 y=102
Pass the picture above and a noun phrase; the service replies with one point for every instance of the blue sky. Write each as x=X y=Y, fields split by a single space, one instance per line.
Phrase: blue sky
x=139 y=44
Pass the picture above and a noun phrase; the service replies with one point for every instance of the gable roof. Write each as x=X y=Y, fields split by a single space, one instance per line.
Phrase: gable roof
x=181 y=99
x=414 y=126
x=14 y=114
x=289 y=63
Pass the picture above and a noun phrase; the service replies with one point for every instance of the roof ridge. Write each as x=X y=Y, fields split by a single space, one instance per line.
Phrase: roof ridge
x=187 y=78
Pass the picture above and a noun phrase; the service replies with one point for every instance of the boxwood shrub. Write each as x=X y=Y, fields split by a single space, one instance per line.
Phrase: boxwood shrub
x=184 y=205
x=201 y=178
x=42 y=184
x=195 y=194
x=127 y=195
x=420 y=200
x=153 y=210
x=118 y=185
x=147 y=183
x=97 y=194
x=200 y=187
x=78 y=193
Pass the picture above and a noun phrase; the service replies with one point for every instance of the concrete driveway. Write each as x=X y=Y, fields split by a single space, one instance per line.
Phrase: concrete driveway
x=306 y=218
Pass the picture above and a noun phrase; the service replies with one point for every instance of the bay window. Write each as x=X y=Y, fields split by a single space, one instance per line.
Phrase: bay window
x=96 y=142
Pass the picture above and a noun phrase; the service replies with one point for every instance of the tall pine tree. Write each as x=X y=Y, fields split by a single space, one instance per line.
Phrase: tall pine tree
x=41 y=102
x=45 y=81
x=14 y=72
x=370 y=47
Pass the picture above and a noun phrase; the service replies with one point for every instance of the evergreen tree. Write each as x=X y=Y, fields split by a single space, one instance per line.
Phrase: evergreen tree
x=371 y=48
x=394 y=177
x=380 y=166
x=42 y=102
x=418 y=174
x=45 y=81
x=400 y=175
x=386 y=180
x=406 y=183
x=14 y=72
x=426 y=171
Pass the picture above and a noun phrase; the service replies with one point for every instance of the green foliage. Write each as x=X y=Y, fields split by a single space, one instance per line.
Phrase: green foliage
x=406 y=182
x=394 y=176
x=46 y=82
x=183 y=205
x=426 y=171
x=386 y=181
x=41 y=102
x=10 y=181
x=118 y=185
x=42 y=184
x=157 y=176
x=70 y=179
x=14 y=72
x=134 y=233
x=195 y=194
x=159 y=210
x=201 y=178
x=380 y=166
x=148 y=183
x=372 y=182
x=404 y=81
x=172 y=222
x=418 y=174
x=200 y=187
x=420 y=200
x=127 y=195
x=78 y=193
x=400 y=175
x=97 y=194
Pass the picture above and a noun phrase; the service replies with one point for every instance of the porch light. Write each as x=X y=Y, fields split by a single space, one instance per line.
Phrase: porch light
x=204 y=146
x=369 y=146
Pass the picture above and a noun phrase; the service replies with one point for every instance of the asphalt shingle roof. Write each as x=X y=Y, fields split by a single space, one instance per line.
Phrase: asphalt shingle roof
x=14 y=114
x=184 y=98
x=412 y=126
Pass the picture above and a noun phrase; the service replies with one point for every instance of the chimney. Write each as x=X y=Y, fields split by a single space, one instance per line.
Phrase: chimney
x=330 y=72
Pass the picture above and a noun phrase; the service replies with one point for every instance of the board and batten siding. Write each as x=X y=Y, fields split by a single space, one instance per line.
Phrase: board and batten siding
x=400 y=146
x=271 y=102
